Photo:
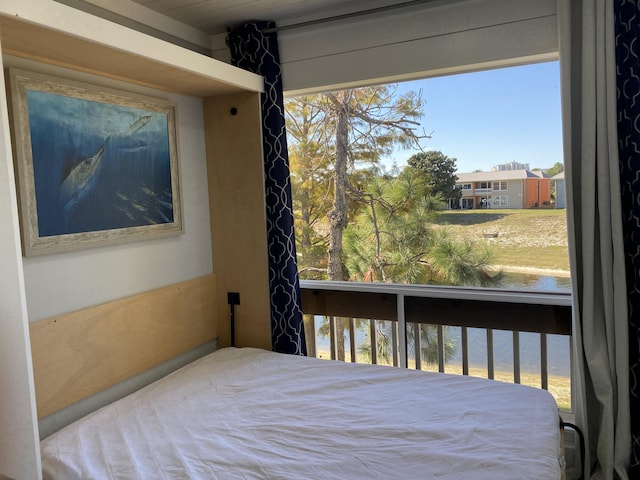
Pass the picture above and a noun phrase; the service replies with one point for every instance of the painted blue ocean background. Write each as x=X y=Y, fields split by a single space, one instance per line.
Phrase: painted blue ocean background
x=117 y=171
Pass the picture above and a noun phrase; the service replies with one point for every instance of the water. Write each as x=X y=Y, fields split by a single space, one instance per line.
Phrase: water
x=527 y=281
x=558 y=362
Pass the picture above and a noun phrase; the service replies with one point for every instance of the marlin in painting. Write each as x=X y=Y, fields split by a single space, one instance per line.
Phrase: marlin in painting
x=82 y=178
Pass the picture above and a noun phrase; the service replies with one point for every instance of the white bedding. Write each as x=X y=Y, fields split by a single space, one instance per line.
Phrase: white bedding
x=252 y=414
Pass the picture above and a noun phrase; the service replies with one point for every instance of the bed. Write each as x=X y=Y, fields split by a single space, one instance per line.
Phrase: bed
x=244 y=413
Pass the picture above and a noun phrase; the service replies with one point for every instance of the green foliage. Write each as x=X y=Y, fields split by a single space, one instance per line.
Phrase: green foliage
x=391 y=232
x=310 y=167
x=331 y=160
x=393 y=239
x=556 y=169
x=428 y=343
x=384 y=343
x=379 y=119
x=462 y=262
x=440 y=173
x=379 y=227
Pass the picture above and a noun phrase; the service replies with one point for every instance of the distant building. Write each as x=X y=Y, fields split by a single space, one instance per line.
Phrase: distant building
x=561 y=196
x=520 y=188
x=510 y=166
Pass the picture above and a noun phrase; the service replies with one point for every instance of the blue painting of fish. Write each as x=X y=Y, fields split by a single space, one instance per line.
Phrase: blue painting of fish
x=98 y=166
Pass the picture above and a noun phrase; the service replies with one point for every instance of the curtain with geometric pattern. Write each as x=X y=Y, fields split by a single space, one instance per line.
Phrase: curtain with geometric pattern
x=627 y=26
x=257 y=51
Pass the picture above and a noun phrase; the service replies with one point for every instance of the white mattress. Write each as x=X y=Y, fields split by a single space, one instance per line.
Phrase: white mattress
x=253 y=414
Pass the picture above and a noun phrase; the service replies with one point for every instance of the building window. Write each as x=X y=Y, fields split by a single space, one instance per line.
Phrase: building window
x=500 y=201
x=466 y=186
x=500 y=186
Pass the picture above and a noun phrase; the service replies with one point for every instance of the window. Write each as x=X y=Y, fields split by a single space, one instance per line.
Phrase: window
x=502 y=133
x=388 y=222
x=500 y=201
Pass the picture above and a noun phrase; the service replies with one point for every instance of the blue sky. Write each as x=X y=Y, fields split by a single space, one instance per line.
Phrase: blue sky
x=492 y=117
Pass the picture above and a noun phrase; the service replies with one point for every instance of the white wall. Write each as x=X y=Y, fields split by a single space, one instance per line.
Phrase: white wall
x=418 y=42
x=434 y=38
x=138 y=17
x=19 y=454
x=561 y=199
x=428 y=40
x=515 y=194
x=66 y=282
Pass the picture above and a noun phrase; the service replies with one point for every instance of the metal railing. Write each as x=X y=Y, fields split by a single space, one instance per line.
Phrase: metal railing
x=398 y=315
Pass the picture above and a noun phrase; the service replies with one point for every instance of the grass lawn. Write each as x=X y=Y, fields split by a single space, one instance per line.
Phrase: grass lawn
x=529 y=238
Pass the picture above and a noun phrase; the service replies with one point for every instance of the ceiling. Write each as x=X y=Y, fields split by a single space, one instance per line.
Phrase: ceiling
x=214 y=16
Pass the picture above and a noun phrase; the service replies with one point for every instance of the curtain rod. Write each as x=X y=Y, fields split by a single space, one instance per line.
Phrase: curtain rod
x=345 y=16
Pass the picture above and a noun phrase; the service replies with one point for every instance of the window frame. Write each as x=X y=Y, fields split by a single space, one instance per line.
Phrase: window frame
x=500 y=201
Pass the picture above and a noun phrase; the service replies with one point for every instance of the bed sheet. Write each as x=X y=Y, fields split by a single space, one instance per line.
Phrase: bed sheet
x=242 y=413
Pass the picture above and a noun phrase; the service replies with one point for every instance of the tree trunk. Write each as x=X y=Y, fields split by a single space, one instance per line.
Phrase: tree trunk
x=338 y=215
x=305 y=214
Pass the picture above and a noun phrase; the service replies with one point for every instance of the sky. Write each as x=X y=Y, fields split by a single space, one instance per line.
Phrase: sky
x=491 y=117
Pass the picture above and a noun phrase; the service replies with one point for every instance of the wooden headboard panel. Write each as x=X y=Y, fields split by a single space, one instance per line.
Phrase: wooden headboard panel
x=81 y=353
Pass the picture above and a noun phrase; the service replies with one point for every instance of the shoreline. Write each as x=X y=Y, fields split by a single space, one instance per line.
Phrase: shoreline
x=532 y=270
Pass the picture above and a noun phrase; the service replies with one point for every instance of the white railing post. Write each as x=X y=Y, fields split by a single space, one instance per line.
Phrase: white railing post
x=373 y=334
x=394 y=342
x=352 y=339
x=333 y=338
x=464 y=338
x=310 y=335
x=402 y=330
x=544 y=369
x=417 y=345
x=441 y=356
x=490 y=363
x=516 y=357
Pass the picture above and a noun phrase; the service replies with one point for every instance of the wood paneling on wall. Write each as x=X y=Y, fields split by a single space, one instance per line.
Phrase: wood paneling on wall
x=81 y=353
x=238 y=219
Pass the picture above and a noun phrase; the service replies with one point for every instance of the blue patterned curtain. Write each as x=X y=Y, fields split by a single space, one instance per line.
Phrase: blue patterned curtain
x=627 y=20
x=253 y=50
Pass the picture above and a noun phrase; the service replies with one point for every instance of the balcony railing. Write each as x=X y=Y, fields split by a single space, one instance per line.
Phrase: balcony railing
x=365 y=320
x=482 y=191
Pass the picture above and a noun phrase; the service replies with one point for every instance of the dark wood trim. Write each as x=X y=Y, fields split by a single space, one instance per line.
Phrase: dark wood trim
x=521 y=317
x=511 y=316
x=380 y=306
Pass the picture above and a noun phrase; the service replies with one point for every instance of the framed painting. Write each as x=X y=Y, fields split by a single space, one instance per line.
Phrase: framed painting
x=95 y=166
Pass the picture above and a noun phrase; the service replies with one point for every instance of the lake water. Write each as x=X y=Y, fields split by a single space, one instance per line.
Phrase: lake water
x=536 y=282
x=558 y=361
